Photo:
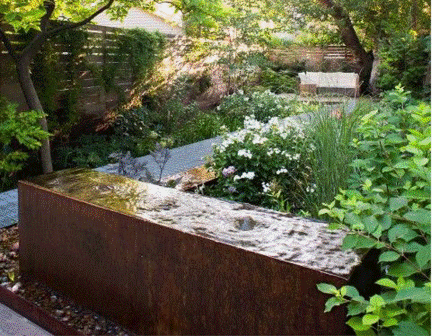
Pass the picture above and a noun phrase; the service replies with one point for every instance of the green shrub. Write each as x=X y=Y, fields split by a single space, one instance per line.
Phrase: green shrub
x=388 y=207
x=263 y=105
x=204 y=125
x=20 y=133
x=91 y=150
x=278 y=82
x=263 y=164
x=404 y=60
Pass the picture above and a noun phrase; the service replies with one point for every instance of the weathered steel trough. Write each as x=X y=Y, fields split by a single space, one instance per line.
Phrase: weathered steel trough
x=161 y=261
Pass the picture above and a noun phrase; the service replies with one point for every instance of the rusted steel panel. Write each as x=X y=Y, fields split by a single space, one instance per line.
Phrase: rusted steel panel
x=158 y=280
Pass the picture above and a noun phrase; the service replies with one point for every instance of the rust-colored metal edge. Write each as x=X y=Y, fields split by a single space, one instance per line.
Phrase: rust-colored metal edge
x=36 y=186
x=35 y=314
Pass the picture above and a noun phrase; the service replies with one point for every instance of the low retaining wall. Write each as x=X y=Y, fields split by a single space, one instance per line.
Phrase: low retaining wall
x=161 y=261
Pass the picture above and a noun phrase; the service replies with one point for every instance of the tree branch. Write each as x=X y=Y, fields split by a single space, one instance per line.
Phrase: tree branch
x=49 y=7
x=8 y=45
x=57 y=30
x=347 y=31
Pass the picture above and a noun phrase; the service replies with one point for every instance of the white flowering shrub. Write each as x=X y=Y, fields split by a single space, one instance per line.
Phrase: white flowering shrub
x=263 y=105
x=263 y=164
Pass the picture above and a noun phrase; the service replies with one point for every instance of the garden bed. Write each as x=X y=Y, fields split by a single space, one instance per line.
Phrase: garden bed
x=51 y=310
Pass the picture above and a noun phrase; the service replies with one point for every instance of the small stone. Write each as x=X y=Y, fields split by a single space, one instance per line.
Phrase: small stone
x=15 y=246
x=15 y=287
x=53 y=298
x=2 y=257
x=65 y=319
x=59 y=312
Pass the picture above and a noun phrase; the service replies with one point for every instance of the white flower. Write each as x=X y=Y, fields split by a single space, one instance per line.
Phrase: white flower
x=248 y=175
x=245 y=152
x=258 y=140
x=311 y=189
x=281 y=171
x=266 y=187
x=246 y=99
x=240 y=92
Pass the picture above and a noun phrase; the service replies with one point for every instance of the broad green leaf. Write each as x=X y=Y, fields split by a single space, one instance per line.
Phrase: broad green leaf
x=354 y=221
x=423 y=256
x=370 y=319
x=327 y=288
x=370 y=224
x=355 y=308
x=420 y=216
x=357 y=324
x=377 y=301
x=350 y=241
x=420 y=295
x=390 y=322
x=408 y=328
x=352 y=292
x=385 y=222
x=417 y=194
x=386 y=283
x=397 y=202
x=331 y=303
x=389 y=256
x=365 y=242
x=402 y=269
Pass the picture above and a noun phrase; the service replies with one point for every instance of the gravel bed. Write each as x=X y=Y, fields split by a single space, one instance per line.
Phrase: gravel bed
x=61 y=307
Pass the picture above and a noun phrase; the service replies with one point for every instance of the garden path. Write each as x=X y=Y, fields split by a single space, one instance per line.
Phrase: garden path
x=13 y=324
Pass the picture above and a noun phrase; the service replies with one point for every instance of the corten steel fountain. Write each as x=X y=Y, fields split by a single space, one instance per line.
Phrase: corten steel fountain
x=161 y=261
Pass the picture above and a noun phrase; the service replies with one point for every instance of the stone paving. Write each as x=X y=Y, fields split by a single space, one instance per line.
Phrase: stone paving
x=13 y=324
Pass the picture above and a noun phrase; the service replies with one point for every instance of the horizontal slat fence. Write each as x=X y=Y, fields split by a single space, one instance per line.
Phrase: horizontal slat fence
x=93 y=99
x=331 y=58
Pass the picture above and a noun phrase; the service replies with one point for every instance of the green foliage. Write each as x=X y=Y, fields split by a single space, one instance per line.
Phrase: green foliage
x=387 y=207
x=89 y=150
x=141 y=49
x=263 y=105
x=404 y=60
x=56 y=76
x=19 y=133
x=204 y=125
x=262 y=164
x=330 y=133
x=278 y=82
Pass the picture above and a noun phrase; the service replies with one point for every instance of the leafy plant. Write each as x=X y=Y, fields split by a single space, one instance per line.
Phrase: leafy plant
x=278 y=82
x=387 y=207
x=263 y=105
x=262 y=164
x=19 y=133
x=330 y=132
x=404 y=60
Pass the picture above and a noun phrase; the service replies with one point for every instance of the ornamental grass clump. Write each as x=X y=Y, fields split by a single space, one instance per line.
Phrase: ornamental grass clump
x=263 y=164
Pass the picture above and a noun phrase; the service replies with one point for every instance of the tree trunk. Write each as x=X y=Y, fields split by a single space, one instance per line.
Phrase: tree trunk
x=351 y=40
x=33 y=102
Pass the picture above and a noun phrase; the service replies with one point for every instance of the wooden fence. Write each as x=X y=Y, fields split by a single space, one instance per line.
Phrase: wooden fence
x=93 y=98
x=331 y=58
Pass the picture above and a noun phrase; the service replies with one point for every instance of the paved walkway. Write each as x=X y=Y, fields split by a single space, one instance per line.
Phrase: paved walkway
x=13 y=324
